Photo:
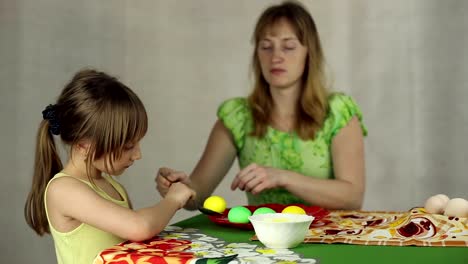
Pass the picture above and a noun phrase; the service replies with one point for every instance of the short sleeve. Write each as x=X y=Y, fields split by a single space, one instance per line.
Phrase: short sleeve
x=342 y=109
x=235 y=115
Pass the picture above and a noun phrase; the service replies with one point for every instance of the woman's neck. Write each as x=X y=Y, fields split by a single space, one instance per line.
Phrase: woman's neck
x=284 y=113
x=285 y=101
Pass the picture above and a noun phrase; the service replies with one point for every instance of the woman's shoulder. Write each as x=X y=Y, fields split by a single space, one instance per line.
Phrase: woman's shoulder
x=341 y=103
x=234 y=110
x=337 y=98
x=236 y=116
x=342 y=108
x=233 y=104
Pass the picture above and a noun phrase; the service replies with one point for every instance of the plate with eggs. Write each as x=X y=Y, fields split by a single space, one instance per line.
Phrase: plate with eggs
x=238 y=216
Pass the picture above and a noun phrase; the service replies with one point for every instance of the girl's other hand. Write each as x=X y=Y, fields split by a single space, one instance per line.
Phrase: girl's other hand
x=166 y=177
x=180 y=193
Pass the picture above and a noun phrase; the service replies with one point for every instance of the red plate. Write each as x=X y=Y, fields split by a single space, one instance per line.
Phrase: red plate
x=315 y=211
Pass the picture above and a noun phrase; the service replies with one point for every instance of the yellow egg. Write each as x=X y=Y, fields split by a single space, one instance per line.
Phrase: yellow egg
x=292 y=209
x=215 y=203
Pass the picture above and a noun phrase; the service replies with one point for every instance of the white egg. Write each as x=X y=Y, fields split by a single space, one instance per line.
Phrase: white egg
x=457 y=207
x=436 y=204
x=444 y=197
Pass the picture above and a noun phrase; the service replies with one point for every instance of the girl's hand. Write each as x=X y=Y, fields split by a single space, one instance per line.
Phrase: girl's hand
x=166 y=177
x=255 y=179
x=180 y=193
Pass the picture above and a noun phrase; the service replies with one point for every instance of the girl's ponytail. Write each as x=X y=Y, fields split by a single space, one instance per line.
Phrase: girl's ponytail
x=46 y=164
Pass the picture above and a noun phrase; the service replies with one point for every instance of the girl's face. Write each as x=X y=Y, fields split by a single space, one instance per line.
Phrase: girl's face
x=130 y=153
x=282 y=56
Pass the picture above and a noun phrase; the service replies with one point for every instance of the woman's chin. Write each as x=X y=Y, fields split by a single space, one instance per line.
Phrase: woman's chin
x=281 y=85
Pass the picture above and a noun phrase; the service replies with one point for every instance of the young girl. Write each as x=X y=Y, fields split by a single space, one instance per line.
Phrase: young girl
x=80 y=204
x=295 y=141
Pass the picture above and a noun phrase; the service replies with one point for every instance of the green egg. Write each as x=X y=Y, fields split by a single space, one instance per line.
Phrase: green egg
x=239 y=214
x=264 y=210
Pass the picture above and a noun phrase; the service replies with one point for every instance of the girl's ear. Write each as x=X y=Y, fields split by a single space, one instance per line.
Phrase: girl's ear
x=83 y=147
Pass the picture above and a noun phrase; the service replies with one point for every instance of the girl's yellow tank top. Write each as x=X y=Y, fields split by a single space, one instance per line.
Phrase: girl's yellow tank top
x=81 y=245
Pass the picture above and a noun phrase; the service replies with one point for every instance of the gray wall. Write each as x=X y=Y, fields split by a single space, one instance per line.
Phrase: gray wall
x=404 y=62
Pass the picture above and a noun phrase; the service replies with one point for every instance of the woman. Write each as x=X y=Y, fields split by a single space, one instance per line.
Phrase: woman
x=295 y=141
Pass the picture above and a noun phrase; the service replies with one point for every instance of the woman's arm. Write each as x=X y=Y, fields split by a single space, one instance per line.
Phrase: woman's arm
x=346 y=191
x=216 y=160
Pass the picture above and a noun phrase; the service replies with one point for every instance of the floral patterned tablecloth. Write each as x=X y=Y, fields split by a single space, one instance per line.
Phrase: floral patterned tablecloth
x=415 y=227
x=177 y=245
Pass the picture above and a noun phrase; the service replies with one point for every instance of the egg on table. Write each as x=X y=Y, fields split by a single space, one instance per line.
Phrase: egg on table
x=457 y=207
x=264 y=210
x=293 y=209
x=436 y=204
x=239 y=214
x=215 y=203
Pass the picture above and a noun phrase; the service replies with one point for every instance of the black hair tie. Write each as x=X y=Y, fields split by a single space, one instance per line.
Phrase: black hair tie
x=50 y=115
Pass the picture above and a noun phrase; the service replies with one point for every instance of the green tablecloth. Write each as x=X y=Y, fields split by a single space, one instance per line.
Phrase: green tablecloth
x=341 y=253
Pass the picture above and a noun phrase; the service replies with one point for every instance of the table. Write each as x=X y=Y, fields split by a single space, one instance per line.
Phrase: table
x=341 y=253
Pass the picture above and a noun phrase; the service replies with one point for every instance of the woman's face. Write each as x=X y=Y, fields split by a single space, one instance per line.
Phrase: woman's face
x=282 y=56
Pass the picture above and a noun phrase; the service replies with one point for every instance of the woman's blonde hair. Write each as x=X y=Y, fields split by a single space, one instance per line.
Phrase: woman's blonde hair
x=313 y=104
x=93 y=106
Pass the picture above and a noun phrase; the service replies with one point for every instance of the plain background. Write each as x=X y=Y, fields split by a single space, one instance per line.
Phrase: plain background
x=403 y=61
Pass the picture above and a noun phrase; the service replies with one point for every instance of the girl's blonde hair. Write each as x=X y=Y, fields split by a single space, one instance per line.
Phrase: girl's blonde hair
x=93 y=106
x=313 y=104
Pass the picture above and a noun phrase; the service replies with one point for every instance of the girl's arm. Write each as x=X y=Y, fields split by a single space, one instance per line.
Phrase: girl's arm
x=70 y=198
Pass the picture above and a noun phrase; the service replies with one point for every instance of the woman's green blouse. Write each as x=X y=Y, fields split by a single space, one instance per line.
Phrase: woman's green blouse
x=285 y=150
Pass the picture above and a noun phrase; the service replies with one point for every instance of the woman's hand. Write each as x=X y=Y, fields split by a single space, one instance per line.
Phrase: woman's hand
x=166 y=177
x=255 y=178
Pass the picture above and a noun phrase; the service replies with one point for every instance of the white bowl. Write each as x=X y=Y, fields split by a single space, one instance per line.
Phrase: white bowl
x=281 y=230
